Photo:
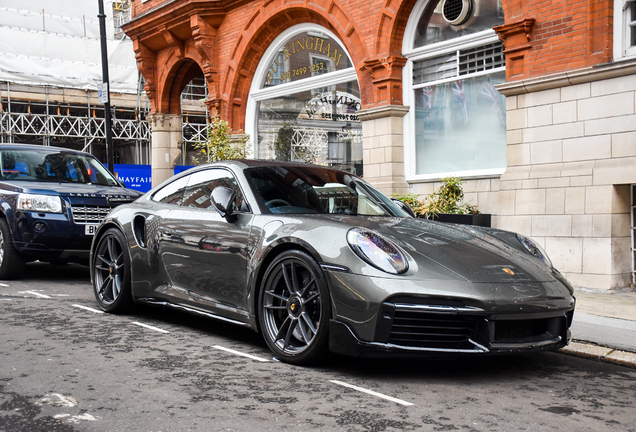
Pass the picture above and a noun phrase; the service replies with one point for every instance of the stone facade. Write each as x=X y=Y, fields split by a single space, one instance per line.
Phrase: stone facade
x=571 y=159
x=383 y=150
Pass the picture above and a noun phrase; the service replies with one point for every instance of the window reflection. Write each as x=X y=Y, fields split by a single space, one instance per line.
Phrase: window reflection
x=460 y=126
x=317 y=126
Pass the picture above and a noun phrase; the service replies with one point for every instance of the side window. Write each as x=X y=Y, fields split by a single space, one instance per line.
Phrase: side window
x=172 y=193
x=202 y=183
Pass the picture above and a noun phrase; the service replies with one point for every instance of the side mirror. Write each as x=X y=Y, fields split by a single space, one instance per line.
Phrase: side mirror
x=404 y=206
x=223 y=200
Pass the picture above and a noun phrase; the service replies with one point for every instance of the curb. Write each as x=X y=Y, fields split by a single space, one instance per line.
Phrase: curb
x=600 y=353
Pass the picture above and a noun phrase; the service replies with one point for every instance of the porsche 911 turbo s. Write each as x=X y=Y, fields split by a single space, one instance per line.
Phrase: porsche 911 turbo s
x=317 y=260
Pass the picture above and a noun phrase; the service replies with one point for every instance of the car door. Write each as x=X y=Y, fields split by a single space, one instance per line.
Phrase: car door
x=204 y=254
x=164 y=245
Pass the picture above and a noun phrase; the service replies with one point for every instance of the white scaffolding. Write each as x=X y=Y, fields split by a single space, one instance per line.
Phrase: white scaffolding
x=57 y=43
x=50 y=64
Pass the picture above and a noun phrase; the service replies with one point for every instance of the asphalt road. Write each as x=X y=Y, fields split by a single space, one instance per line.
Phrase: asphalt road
x=64 y=366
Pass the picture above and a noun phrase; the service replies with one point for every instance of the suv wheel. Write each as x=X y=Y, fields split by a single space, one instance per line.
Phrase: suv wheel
x=11 y=262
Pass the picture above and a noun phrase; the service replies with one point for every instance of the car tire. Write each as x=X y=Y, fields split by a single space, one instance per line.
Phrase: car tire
x=295 y=308
x=110 y=271
x=11 y=262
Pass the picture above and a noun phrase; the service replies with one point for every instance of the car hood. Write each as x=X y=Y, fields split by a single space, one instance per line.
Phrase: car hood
x=73 y=190
x=474 y=254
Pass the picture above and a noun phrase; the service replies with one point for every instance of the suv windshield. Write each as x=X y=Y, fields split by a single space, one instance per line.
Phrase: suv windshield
x=312 y=189
x=53 y=166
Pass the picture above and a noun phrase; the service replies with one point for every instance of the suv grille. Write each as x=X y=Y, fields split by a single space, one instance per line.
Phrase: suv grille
x=89 y=214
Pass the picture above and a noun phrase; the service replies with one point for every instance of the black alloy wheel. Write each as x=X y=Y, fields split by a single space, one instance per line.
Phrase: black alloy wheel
x=295 y=308
x=11 y=262
x=111 y=272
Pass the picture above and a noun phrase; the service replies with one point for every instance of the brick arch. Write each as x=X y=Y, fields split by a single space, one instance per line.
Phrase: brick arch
x=392 y=20
x=178 y=75
x=396 y=13
x=260 y=31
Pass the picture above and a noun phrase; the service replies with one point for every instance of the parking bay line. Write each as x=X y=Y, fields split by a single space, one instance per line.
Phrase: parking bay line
x=371 y=392
x=35 y=294
x=87 y=308
x=253 y=357
x=150 y=327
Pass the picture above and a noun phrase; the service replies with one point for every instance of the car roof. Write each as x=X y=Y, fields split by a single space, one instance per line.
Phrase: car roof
x=14 y=146
x=251 y=163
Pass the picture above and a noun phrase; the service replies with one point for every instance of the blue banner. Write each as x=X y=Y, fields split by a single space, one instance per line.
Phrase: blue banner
x=139 y=177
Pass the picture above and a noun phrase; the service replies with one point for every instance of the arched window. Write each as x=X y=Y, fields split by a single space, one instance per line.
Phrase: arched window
x=303 y=101
x=457 y=122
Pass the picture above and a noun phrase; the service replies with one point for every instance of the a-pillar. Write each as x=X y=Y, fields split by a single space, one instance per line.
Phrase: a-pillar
x=166 y=145
x=383 y=147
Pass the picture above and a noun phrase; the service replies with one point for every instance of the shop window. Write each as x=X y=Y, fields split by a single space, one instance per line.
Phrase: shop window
x=457 y=124
x=304 y=102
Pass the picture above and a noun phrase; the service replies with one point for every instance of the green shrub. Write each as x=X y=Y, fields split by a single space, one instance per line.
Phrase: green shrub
x=446 y=199
x=219 y=143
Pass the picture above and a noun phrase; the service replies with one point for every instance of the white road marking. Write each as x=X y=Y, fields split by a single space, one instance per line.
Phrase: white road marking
x=1 y=284
x=35 y=294
x=150 y=327
x=371 y=392
x=57 y=399
x=240 y=353
x=87 y=308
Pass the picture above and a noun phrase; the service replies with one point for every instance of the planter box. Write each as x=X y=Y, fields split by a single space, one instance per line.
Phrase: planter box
x=465 y=219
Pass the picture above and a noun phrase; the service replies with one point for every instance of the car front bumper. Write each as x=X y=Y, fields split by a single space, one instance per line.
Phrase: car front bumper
x=374 y=316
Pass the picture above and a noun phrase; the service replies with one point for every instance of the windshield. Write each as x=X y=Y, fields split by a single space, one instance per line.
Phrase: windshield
x=53 y=165
x=312 y=189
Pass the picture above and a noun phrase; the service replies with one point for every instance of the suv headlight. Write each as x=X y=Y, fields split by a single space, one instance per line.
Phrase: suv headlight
x=532 y=247
x=377 y=251
x=40 y=203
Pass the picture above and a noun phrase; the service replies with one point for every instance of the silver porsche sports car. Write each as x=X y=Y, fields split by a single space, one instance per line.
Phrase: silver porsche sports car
x=317 y=260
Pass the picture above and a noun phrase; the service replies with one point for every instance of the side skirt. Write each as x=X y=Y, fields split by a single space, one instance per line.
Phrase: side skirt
x=155 y=302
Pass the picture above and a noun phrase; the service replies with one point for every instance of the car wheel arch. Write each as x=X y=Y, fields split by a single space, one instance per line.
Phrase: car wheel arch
x=269 y=256
x=105 y=226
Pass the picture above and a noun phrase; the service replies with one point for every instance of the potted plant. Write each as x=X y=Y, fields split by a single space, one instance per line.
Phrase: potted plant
x=446 y=205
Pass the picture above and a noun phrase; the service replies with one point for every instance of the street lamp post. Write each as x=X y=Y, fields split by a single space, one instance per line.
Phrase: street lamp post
x=105 y=79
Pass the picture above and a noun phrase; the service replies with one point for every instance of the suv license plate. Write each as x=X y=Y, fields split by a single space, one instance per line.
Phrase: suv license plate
x=90 y=229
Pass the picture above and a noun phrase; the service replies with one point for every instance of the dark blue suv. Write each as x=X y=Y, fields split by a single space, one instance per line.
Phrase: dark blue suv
x=51 y=202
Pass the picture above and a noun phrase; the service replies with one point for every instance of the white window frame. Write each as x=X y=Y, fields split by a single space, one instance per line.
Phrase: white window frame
x=429 y=51
x=622 y=30
x=258 y=94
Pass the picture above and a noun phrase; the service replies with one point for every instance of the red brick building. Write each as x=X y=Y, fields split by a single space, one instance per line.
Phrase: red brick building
x=533 y=103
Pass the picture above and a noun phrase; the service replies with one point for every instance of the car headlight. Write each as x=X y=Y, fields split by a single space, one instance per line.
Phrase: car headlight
x=377 y=251
x=534 y=249
x=40 y=203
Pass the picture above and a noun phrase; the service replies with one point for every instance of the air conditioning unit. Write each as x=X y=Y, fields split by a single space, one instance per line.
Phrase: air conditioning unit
x=457 y=12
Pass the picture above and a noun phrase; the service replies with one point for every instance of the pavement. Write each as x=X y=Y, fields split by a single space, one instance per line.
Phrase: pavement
x=604 y=326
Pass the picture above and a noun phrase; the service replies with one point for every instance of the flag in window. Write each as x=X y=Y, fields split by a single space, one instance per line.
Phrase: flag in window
x=458 y=90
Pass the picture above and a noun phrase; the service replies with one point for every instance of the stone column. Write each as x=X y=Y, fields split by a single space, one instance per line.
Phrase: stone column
x=383 y=147
x=166 y=145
